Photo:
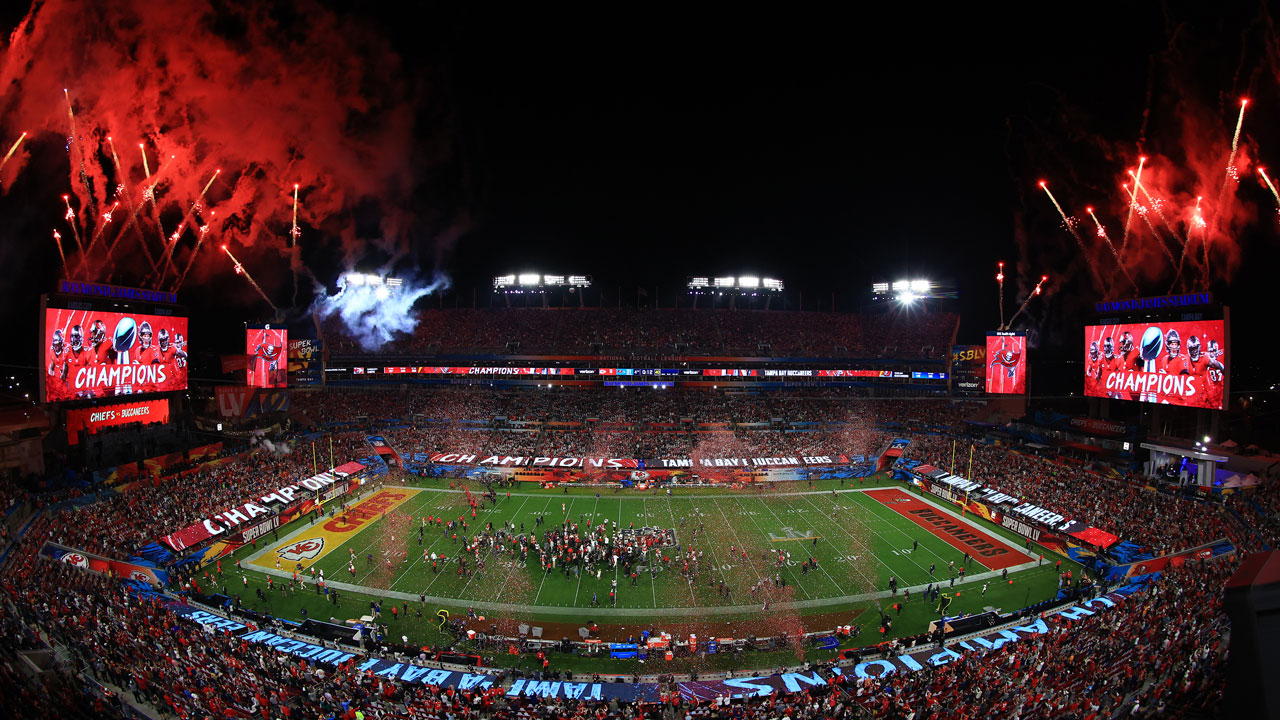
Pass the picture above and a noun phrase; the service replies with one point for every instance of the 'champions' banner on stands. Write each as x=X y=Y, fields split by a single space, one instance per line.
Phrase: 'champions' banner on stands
x=250 y=510
x=604 y=463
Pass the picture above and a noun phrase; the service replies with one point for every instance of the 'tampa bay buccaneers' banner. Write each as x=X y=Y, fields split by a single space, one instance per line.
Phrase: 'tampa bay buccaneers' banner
x=92 y=354
x=1174 y=363
x=96 y=418
x=605 y=463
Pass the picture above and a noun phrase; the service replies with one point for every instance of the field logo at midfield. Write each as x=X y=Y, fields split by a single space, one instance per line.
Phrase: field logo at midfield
x=321 y=540
x=302 y=550
x=790 y=533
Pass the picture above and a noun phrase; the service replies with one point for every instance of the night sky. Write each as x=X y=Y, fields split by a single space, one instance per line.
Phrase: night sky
x=827 y=151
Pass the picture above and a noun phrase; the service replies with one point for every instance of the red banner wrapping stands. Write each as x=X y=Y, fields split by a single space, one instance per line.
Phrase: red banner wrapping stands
x=252 y=511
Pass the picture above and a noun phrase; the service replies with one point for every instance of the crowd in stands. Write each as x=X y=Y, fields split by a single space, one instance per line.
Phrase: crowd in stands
x=668 y=332
x=1159 y=522
x=121 y=522
x=1159 y=653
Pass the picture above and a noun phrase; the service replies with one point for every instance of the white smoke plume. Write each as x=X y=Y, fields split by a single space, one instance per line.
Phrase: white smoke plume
x=374 y=314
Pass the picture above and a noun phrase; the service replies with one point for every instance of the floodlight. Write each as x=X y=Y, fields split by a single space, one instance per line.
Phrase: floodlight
x=724 y=282
x=920 y=286
x=552 y=279
x=372 y=280
x=699 y=282
x=529 y=278
x=907 y=298
x=748 y=281
x=382 y=293
x=354 y=279
x=394 y=282
x=901 y=285
x=772 y=284
x=580 y=280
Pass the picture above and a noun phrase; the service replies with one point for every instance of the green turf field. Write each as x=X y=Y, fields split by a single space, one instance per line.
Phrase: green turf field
x=860 y=543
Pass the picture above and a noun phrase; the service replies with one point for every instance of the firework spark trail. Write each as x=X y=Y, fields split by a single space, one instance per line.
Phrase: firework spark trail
x=204 y=230
x=13 y=149
x=1270 y=186
x=75 y=230
x=105 y=220
x=1230 y=174
x=149 y=199
x=57 y=238
x=1102 y=233
x=1133 y=199
x=1154 y=204
x=295 y=232
x=84 y=175
x=1093 y=267
x=1144 y=212
x=1034 y=292
x=243 y=271
x=173 y=241
x=1000 y=280
x=133 y=213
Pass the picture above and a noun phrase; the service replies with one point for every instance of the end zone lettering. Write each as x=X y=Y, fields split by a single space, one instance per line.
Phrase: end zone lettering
x=370 y=509
x=958 y=531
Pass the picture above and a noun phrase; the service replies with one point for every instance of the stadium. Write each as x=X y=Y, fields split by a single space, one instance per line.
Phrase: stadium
x=305 y=435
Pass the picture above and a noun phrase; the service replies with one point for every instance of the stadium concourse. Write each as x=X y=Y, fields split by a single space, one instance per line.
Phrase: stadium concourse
x=1154 y=648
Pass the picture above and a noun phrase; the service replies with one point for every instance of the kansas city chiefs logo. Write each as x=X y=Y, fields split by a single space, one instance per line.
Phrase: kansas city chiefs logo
x=302 y=550
x=76 y=559
x=139 y=576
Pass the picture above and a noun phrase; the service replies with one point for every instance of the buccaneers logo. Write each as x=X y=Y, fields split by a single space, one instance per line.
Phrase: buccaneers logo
x=302 y=550
x=1009 y=359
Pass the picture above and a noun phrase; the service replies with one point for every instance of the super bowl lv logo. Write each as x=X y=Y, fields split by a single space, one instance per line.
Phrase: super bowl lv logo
x=302 y=550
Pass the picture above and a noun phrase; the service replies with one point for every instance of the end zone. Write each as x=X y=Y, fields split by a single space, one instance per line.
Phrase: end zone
x=311 y=544
x=990 y=551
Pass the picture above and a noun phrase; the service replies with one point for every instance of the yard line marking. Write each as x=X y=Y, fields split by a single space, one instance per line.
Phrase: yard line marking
x=677 y=537
x=476 y=570
x=821 y=567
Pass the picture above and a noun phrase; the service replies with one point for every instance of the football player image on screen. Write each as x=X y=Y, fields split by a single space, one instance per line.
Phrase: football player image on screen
x=1216 y=373
x=103 y=352
x=1093 y=366
x=265 y=366
x=56 y=372
x=79 y=356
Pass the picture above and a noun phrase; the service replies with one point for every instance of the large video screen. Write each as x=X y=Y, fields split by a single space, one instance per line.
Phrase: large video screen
x=1006 y=362
x=268 y=364
x=1174 y=363
x=92 y=354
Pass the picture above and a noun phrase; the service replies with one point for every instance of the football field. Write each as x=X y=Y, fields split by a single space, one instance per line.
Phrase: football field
x=839 y=546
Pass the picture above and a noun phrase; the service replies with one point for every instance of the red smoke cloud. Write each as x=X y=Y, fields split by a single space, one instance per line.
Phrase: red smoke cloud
x=270 y=95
